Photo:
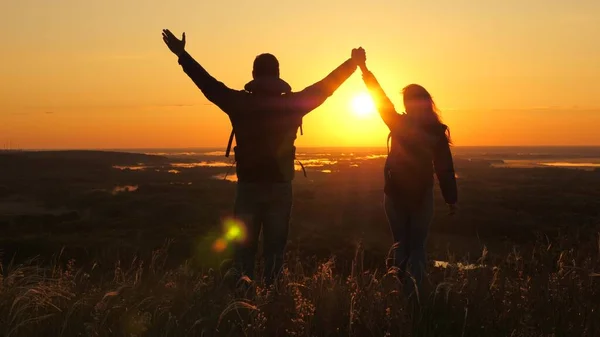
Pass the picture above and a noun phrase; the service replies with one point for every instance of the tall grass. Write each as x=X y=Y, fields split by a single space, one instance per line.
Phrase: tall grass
x=552 y=290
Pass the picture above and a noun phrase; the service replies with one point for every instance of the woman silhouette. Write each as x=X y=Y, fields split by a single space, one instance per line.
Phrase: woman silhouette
x=420 y=146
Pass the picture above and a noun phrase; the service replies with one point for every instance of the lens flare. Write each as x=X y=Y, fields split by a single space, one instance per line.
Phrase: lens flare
x=219 y=245
x=234 y=230
x=233 y=233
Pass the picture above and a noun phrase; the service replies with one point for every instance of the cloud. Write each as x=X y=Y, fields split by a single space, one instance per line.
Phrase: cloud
x=172 y=105
x=125 y=56
x=36 y=112
x=51 y=109
x=573 y=108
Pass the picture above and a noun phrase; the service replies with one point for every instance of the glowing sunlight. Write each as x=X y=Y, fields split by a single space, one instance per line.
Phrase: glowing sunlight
x=362 y=105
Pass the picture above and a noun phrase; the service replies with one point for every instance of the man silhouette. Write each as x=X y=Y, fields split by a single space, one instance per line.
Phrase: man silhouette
x=265 y=119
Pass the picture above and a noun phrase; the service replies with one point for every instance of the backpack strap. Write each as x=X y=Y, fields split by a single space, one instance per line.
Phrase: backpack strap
x=299 y=162
x=389 y=138
x=303 y=169
x=229 y=170
x=230 y=143
x=228 y=150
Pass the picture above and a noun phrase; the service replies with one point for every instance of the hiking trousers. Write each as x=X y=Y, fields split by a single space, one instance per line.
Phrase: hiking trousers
x=267 y=206
x=410 y=228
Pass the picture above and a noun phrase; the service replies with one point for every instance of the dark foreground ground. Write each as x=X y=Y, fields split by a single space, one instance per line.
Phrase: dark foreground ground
x=93 y=250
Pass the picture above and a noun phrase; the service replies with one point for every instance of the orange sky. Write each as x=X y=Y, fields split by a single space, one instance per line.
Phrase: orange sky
x=96 y=74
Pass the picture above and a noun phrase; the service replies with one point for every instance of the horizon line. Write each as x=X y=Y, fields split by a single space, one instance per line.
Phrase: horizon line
x=299 y=147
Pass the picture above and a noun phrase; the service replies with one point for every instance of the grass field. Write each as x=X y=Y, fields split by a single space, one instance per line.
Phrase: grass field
x=90 y=250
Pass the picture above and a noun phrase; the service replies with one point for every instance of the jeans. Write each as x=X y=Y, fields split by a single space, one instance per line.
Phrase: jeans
x=410 y=229
x=266 y=205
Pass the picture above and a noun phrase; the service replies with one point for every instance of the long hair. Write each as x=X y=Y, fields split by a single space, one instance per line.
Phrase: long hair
x=420 y=105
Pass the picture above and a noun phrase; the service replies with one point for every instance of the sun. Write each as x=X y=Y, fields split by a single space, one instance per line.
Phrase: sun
x=362 y=105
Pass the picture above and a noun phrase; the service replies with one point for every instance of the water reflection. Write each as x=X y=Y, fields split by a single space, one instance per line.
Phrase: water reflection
x=173 y=154
x=371 y=156
x=201 y=164
x=567 y=164
x=314 y=154
x=132 y=167
x=214 y=153
x=537 y=164
x=230 y=177
x=318 y=162
x=124 y=188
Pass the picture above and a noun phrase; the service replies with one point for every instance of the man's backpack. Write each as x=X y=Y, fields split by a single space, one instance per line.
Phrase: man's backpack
x=230 y=143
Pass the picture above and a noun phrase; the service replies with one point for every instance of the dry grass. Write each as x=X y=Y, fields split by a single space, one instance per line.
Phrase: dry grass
x=552 y=291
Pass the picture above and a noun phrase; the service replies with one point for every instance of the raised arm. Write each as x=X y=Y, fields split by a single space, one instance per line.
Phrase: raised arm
x=444 y=170
x=313 y=96
x=215 y=91
x=384 y=105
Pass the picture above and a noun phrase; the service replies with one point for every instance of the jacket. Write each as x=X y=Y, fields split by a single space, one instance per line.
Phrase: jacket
x=265 y=117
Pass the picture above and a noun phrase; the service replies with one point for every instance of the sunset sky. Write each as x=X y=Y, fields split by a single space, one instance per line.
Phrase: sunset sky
x=96 y=74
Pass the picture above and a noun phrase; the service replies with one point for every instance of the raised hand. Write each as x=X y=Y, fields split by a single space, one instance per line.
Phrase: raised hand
x=360 y=57
x=175 y=45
